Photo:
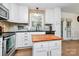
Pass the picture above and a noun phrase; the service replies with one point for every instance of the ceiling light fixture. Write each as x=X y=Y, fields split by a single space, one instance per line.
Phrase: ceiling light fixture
x=37 y=11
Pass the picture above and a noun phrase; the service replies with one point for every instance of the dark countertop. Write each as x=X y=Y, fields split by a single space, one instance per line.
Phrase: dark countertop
x=30 y=31
x=7 y=34
x=34 y=31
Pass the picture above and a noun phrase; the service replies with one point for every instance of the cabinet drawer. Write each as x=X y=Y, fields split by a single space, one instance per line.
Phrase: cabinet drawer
x=26 y=43
x=55 y=43
x=26 y=36
x=40 y=52
x=26 y=33
x=40 y=49
x=25 y=39
x=40 y=45
x=0 y=51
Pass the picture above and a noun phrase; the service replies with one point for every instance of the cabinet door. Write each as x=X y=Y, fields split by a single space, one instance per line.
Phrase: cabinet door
x=49 y=15
x=40 y=52
x=55 y=52
x=1 y=41
x=0 y=51
x=55 y=48
x=23 y=14
x=19 y=39
x=40 y=49
x=13 y=16
x=0 y=46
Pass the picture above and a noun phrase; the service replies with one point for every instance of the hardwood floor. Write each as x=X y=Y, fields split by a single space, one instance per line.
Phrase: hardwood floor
x=70 y=48
x=24 y=52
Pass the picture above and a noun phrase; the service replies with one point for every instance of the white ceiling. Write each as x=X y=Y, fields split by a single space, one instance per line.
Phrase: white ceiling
x=68 y=7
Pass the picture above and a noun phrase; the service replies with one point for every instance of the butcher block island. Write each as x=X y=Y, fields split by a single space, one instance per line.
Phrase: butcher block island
x=46 y=45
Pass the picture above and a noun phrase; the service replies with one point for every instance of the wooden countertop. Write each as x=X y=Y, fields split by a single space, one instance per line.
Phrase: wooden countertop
x=45 y=37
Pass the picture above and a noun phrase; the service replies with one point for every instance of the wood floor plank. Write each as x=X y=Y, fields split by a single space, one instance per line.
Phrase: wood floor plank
x=24 y=52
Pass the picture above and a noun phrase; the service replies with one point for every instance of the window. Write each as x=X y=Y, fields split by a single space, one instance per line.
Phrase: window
x=36 y=19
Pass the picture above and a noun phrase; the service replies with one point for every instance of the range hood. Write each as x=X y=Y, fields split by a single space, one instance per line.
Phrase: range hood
x=4 y=12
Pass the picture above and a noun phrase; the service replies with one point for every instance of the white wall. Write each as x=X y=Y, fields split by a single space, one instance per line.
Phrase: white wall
x=74 y=24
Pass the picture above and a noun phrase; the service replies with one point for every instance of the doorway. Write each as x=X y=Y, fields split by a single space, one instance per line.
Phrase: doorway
x=68 y=29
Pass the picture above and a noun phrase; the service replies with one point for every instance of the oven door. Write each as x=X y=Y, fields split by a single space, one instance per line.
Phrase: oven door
x=8 y=45
x=4 y=47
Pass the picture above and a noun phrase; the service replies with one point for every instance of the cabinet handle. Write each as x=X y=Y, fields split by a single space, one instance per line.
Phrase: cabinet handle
x=50 y=52
x=25 y=43
x=47 y=53
x=25 y=36
x=26 y=39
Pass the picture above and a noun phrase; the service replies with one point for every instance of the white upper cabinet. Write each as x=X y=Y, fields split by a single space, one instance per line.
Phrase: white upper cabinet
x=49 y=16
x=17 y=13
x=6 y=5
x=23 y=14
x=13 y=13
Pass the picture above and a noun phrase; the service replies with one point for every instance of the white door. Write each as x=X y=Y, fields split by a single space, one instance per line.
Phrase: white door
x=62 y=28
x=68 y=30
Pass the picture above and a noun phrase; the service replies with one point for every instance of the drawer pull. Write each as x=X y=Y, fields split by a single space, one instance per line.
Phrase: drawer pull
x=26 y=44
x=47 y=53
x=26 y=39
x=50 y=53
x=41 y=45
x=25 y=36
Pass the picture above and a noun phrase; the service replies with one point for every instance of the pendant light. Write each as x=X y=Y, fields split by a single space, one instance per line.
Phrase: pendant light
x=37 y=11
x=78 y=18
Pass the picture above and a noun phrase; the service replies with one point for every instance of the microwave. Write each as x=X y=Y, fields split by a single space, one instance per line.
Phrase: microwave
x=4 y=12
